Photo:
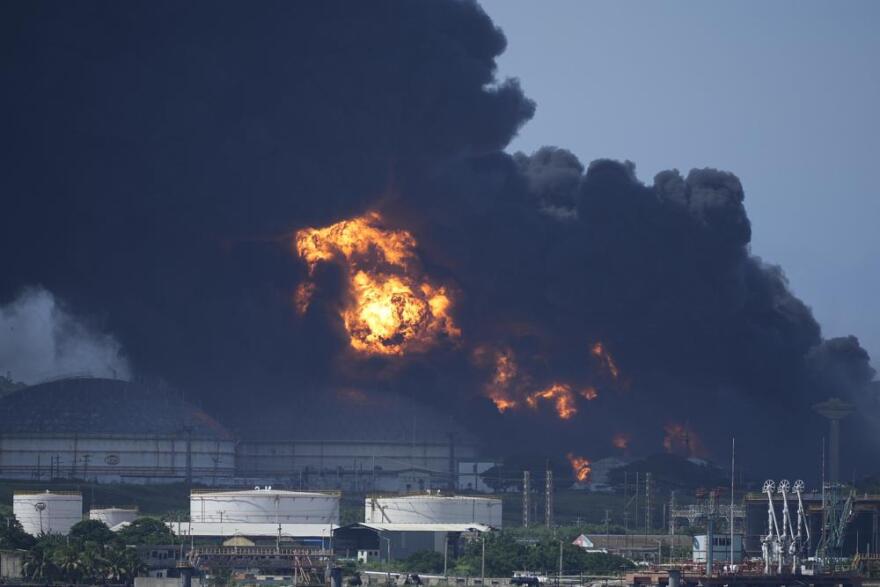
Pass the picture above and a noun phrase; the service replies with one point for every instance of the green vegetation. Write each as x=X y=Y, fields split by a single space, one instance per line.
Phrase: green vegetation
x=532 y=549
x=91 y=553
x=146 y=531
x=506 y=553
x=12 y=536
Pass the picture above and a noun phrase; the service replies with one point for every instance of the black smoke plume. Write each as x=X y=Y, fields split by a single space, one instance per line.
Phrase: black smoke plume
x=159 y=156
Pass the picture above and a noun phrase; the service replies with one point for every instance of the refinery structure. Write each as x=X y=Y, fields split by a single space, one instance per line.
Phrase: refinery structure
x=113 y=431
x=272 y=502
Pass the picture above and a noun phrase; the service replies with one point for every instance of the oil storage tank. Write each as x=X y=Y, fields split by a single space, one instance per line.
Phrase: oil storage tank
x=264 y=506
x=433 y=509
x=47 y=512
x=113 y=516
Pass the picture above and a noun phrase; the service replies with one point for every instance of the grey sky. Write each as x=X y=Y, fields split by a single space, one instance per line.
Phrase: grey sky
x=785 y=94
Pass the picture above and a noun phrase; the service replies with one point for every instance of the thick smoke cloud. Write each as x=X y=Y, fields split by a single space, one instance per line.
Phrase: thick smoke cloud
x=160 y=156
x=40 y=339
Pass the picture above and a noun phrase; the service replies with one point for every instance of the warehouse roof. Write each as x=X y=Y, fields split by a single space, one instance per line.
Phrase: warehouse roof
x=252 y=530
x=389 y=527
x=86 y=405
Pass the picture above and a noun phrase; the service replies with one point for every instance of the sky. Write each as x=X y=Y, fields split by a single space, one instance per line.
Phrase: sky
x=784 y=94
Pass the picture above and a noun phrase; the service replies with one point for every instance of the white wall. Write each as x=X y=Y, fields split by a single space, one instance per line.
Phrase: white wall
x=113 y=458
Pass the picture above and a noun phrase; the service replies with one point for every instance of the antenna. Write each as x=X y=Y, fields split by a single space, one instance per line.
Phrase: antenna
x=548 y=498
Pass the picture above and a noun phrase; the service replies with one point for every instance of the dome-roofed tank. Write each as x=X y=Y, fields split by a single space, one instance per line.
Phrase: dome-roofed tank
x=103 y=406
x=264 y=506
x=47 y=512
x=109 y=430
x=429 y=508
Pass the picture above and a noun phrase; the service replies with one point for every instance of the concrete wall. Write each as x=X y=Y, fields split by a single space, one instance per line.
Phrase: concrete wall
x=11 y=562
x=114 y=458
x=164 y=582
x=308 y=464
x=351 y=465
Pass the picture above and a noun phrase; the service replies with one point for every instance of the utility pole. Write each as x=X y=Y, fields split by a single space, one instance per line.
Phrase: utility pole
x=483 y=562
x=625 y=502
x=548 y=498
x=636 y=499
x=445 y=555
x=732 y=470
x=648 y=521
x=559 y=576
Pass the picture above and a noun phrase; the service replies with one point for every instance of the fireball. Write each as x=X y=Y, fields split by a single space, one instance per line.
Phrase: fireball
x=562 y=397
x=392 y=308
x=580 y=466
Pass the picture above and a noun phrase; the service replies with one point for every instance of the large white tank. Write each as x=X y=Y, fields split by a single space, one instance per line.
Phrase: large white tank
x=47 y=512
x=264 y=506
x=113 y=516
x=434 y=509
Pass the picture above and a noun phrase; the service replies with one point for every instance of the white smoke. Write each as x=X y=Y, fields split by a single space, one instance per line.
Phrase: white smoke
x=40 y=339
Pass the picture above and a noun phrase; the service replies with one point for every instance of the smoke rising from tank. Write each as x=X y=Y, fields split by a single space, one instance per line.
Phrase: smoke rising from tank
x=40 y=339
x=164 y=155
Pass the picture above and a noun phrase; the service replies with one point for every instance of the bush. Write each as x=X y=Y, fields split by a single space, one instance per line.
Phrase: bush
x=13 y=536
x=426 y=561
x=146 y=531
x=92 y=531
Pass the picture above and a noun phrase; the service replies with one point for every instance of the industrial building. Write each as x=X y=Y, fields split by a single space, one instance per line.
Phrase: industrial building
x=349 y=442
x=433 y=508
x=262 y=515
x=861 y=532
x=395 y=527
x=366 y=541
x=109 y=430
x=721 y=548
x=47 y=512
x=634 y=546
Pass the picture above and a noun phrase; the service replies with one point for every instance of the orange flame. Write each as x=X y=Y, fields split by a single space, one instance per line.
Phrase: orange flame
x=392 y=308
x=620 y=440
x=605 y=359
x=589 y=393
x=303 y=297
x=580 y=466
x=560 y=394
x=505 y=373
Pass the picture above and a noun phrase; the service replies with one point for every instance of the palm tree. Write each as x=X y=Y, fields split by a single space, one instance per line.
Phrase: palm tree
x=93 y=563
x=39 y=566
x=124 y=564
x=69 y=562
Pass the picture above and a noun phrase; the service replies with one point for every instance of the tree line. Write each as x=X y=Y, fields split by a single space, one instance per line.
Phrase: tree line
x=90 y=553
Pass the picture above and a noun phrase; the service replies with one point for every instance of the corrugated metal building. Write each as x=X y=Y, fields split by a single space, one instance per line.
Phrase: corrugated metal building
x=368 y=541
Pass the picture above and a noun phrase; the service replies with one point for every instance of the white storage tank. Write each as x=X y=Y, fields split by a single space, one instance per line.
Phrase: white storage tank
x=113 y=516
x=434 y=509
x=264 y=506
x=48 y=512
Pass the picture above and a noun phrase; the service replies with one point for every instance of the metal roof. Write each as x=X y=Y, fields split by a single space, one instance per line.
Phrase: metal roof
x=90 y=406
x=391 y=527
x=251 y=529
